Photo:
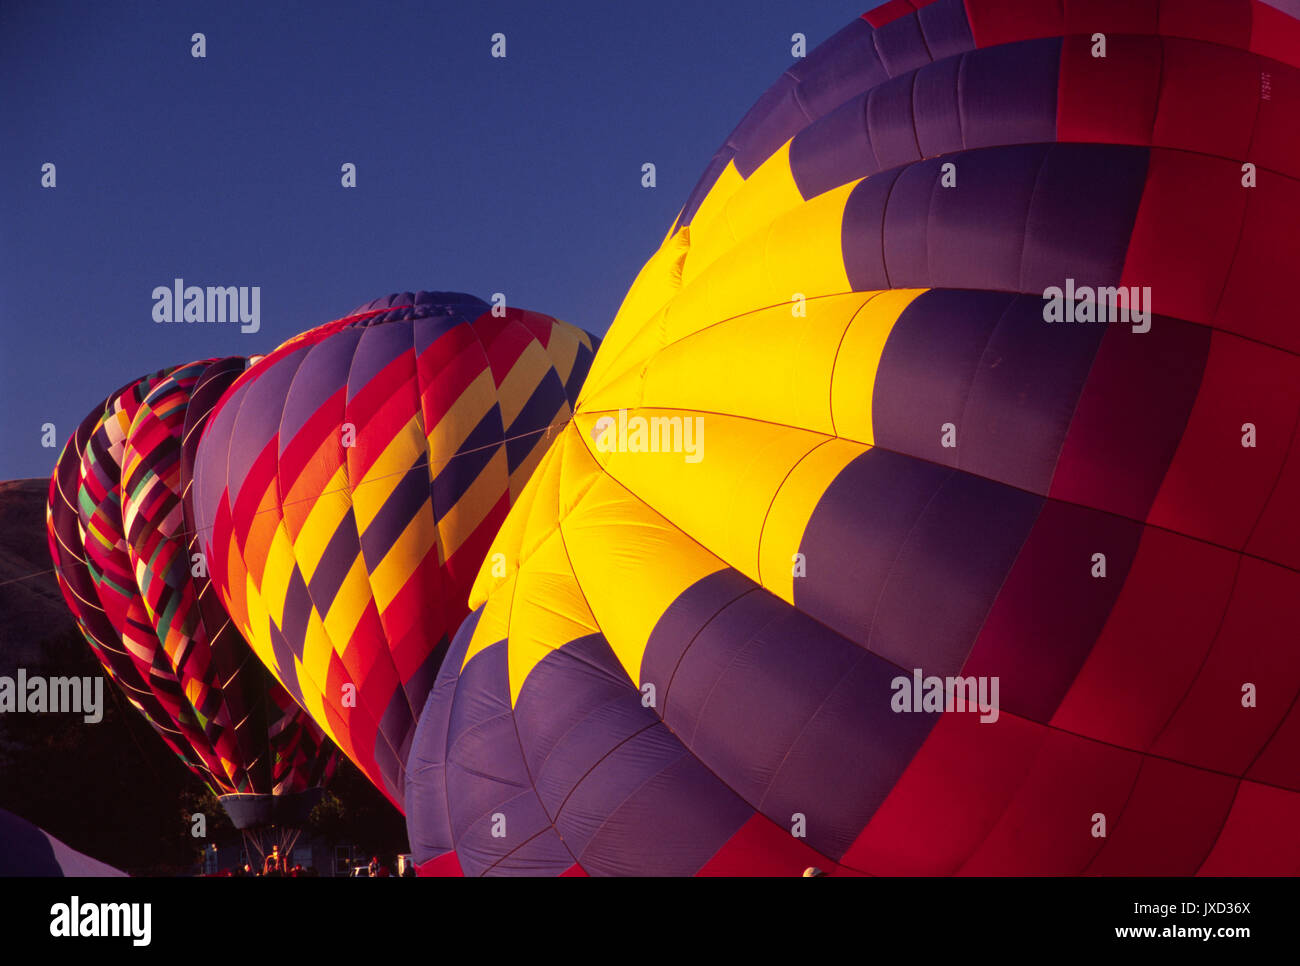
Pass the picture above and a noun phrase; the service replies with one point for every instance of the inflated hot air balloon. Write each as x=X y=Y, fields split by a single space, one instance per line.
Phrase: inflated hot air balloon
x=930 y=507
x=349 y=484
x=122 y=540
x=28 y=851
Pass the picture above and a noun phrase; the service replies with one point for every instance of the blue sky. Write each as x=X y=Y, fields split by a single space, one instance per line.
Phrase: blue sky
x=479 y=175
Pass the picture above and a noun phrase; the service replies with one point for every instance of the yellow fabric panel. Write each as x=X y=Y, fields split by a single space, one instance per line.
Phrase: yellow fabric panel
x=372 y=490
x=341 y=619
x=462 y=519
x=768 y=365
x=391 y=574
x=328 y=510
x=277 y=574
x=318 y=646
x=854 y=382
x=494 y=622
x=793 y=506
x=631 y=564
x=548 y=610
x=656 y=283
x=714 y=204
x=798 y=253
x=767 y=193
x=510 y=537
x=721 y=500
x=522 y=381
x=446 y=438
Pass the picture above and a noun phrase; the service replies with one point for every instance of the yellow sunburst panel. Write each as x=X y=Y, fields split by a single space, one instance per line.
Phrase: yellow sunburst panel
x=657 y=282
x=765 y=195
x=857 y=364
x=617 y=546
x=713 y=205
x=722 y=499
x=792 y=507
x=778 y=365
x=547 y=610
x=800 y=253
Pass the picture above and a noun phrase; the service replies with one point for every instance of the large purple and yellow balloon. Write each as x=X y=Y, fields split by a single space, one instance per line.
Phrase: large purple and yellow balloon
x=834 y=449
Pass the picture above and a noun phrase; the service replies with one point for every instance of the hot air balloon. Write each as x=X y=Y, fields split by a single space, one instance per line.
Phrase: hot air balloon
x=28 y=851
x=122 y=540
x=347 y=488
x=930 y=506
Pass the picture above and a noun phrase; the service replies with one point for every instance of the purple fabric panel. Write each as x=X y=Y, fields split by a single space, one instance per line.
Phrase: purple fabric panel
x=946 y=28
x=487 y=777
x=1085 y=204
x=937 y=109
x=1051 y=610
x=939 y=545
x=1021 y=218
x=378 y=346
x=428 y=822
x=1008 y=93
x=650 y=808
x=322 y=371
x=793 y=717
x=864 y=232
x=890 y=127
x=260 y=405
x=990 y=365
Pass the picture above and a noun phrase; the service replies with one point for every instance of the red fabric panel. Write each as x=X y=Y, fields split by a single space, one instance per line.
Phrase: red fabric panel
x=760 y=847
x=1110 y=17
x=574 y=871
x=1277 y=134
x=1203 y=89
x=1277 y=764
x=1256 y=644
x=923 y=827
x=1224 y=22
x=1216 y=488
x=888 y=12
x=1110 y=101
x=1249 y=843
x=1047 y=830
x=1168 y=825
x=1274 y=34
x=1157 y=636
x=1277 y=535
x=1258 y=300
x=994 y=22
x=1185 y=232
x=446 y=865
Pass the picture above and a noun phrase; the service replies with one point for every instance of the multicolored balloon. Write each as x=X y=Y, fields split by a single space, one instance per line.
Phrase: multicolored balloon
x=121 y=537
x=349 y=484
x=856 y=554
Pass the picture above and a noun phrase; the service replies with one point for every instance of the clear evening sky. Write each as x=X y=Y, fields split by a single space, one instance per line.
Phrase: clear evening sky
x=474 y=174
